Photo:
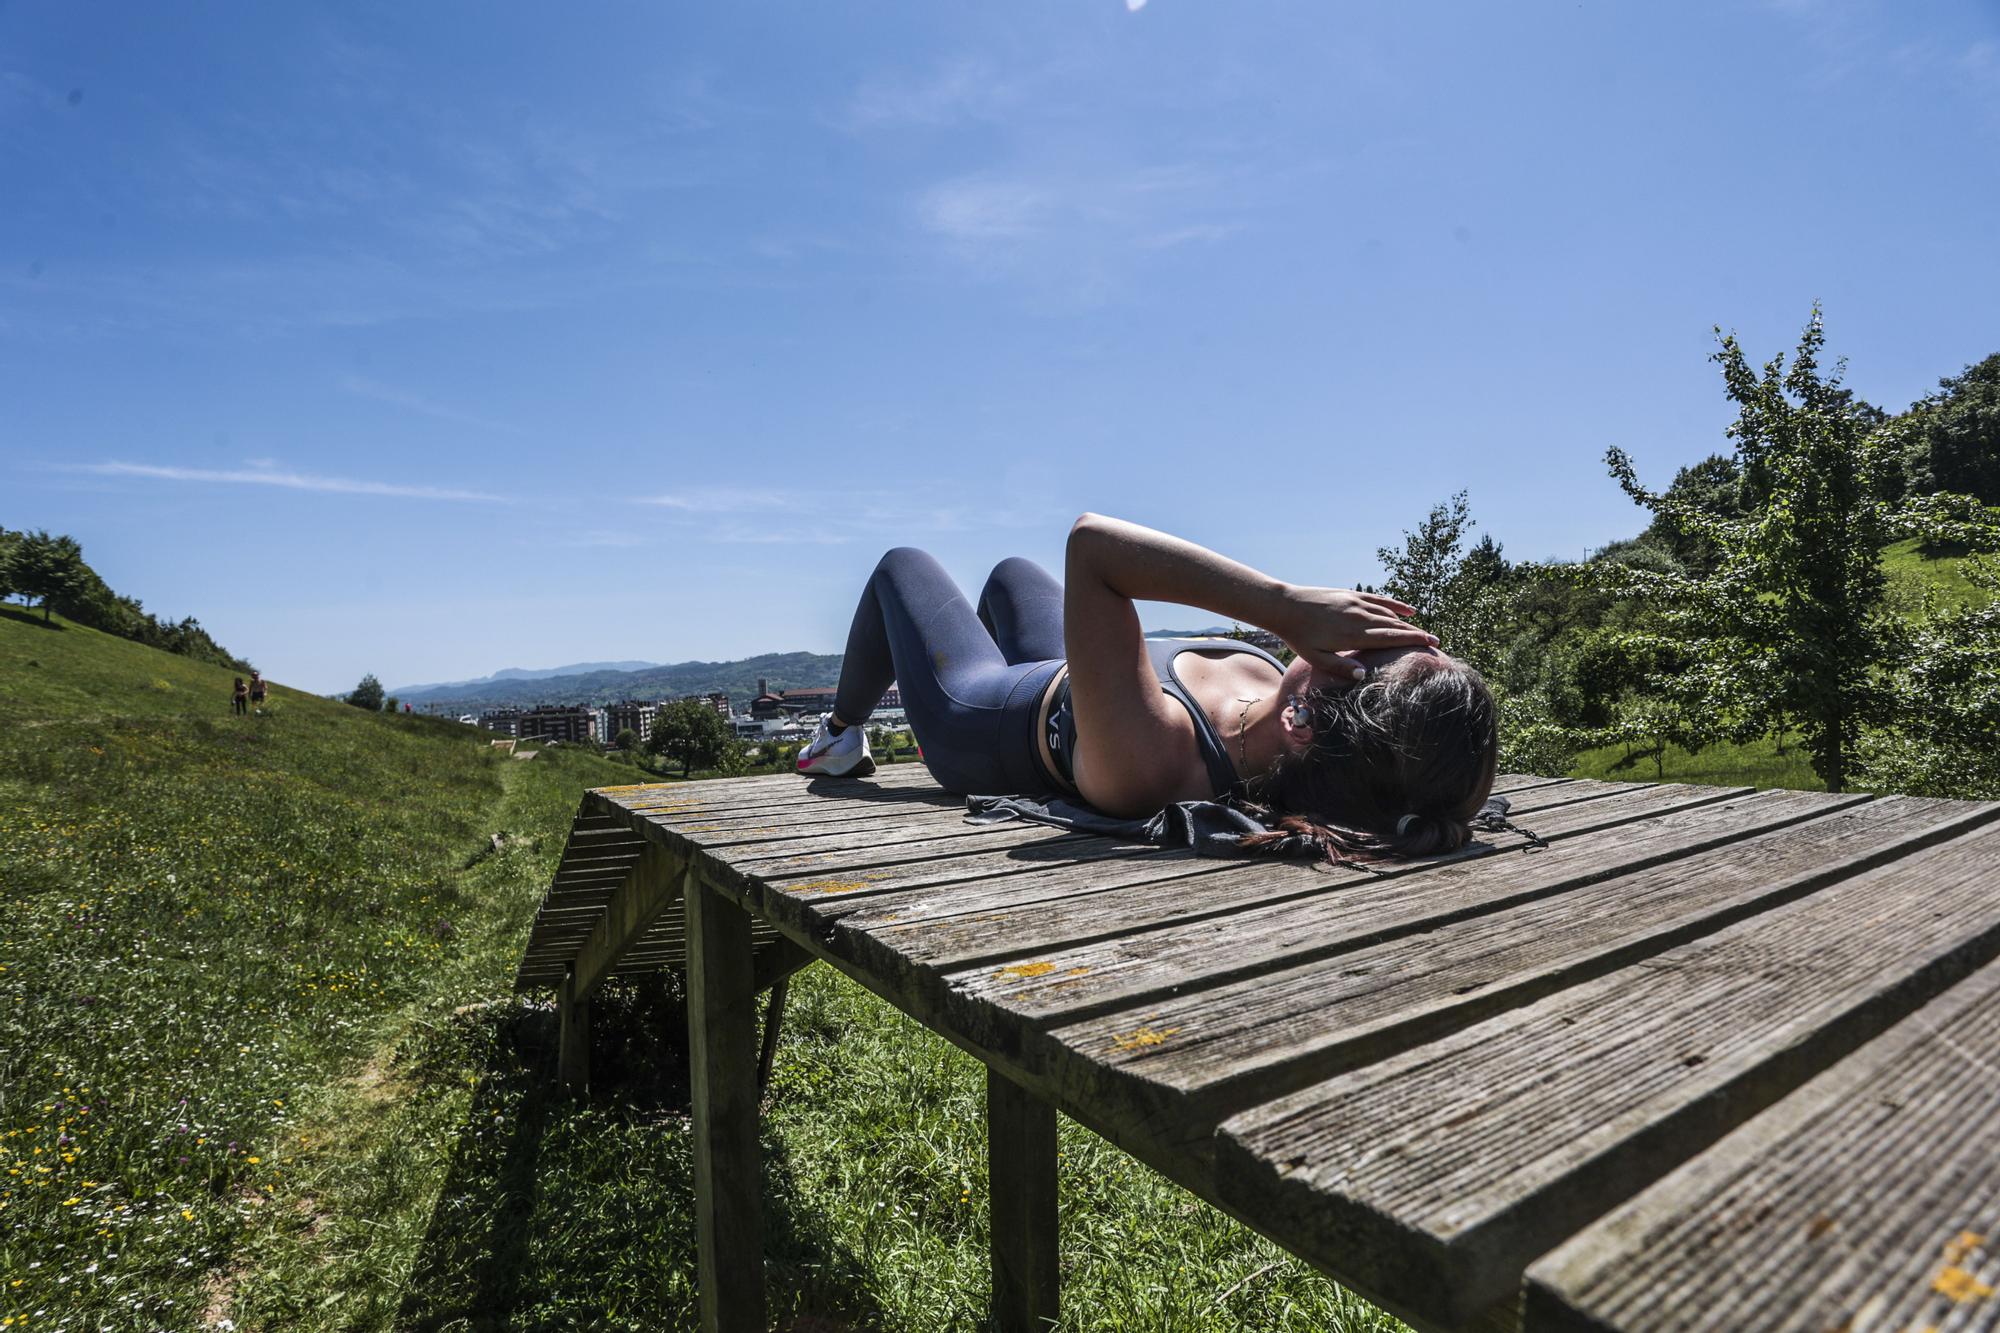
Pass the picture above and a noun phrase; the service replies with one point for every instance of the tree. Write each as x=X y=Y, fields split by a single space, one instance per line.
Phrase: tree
x=627 y=740
x=368 y=694
x=1459 y=598
x=1955 y=443
x=1790 y=623
x=1944 y=738
x=46 y=567
x=9 y=542
x=1713 y=486
x=693 y=733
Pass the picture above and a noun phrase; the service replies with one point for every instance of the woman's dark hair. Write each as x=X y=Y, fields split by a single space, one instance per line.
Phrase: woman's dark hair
x=1398 y=766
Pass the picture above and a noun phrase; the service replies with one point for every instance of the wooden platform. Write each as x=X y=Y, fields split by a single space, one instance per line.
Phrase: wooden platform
x=1759 y=1030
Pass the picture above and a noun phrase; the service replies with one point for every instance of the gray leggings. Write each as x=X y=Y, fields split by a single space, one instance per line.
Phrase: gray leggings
x=971 y=681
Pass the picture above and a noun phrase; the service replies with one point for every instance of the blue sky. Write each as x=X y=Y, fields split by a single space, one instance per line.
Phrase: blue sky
x=431 y=339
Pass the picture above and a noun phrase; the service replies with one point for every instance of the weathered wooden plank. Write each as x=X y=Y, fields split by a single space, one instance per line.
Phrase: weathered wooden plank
x=857 y=805
x=774 y=1015
x=777 y=961
x=864 y=870
x=1021 y=1179
x=723 y=839
x=760 y=792
x=722 y=1038
x=1869 y=1198
x=990 y=924
x=1043 y=975
x=1379 y=910
x=656 y=882
x=572 y=1037
x=1034 y=871
x=866 y=847
x=1191 y=1059
x=1431 y=1178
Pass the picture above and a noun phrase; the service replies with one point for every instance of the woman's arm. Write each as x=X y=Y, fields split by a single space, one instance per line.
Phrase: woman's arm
x=1124 y=719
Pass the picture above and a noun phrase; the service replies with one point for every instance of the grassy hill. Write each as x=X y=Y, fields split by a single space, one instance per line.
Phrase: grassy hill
x=738 y=679
x=259 y=1061
x=210 y=919
x=1912 y=576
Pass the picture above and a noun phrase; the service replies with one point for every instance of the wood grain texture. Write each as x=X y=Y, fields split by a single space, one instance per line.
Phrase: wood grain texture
x=654 y=884
x=572 y=1038
x=1211 y=1051
x=722 y=1044
x=1021 y=1176
x=1416 y=1080
x=1868 y=1199
x=1433 y=1176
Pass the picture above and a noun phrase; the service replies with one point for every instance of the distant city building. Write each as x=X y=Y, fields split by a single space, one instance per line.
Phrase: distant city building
x=718 y=701
x=558 y=722
x=766 y=704
x=506 y=721
x=818 y=699
x=813 y=699
x=631 y=715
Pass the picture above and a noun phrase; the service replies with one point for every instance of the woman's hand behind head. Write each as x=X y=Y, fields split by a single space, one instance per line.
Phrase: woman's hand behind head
x=1324 y=624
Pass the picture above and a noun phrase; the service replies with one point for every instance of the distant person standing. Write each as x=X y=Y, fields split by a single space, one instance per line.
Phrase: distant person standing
x=239 y=701
x=257 y=690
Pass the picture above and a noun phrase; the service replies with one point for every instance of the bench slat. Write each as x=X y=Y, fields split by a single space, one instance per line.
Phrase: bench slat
x=1434 y=1176
x=1870 y=1197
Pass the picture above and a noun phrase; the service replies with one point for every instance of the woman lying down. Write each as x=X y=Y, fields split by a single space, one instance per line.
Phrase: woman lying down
x=1371 y=743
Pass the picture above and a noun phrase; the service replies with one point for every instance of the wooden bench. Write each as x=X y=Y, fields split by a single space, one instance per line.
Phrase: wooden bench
x=1727 y=1058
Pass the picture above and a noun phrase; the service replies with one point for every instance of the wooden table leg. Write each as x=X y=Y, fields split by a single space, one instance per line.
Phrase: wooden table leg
x=1021 y=1178
x=722 y=1041
x=774 y=1014
x=572 y=1036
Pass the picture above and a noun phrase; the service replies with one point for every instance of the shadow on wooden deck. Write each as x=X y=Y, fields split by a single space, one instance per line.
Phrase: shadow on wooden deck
x=541 y=1222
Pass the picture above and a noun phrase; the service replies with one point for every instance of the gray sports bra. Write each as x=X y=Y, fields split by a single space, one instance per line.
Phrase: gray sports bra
x=1061 y=729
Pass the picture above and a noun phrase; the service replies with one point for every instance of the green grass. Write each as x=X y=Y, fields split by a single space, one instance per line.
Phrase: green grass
x=1757 y=764
x=1911 y=573
x=255 y=1015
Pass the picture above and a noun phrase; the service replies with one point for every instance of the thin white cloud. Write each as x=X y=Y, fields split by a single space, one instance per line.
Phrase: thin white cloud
x=986 y=208
x=296 y=481
x=729 y=500
x=960 y=91
x=596 y=540
x=376 y=391
x=777 y=516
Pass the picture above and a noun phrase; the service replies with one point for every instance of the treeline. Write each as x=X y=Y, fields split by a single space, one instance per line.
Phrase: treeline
x=51 y=572
x=1754 y=606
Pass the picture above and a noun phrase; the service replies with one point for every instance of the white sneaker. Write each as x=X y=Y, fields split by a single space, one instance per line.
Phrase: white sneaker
x=842 y=756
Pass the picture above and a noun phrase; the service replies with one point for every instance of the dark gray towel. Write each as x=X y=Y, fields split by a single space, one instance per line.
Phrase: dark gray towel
x=1209 y=828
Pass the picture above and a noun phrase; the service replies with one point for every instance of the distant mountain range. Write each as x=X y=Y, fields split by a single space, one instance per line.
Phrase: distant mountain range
x=521 y=673
x=608 y=682
x=603 y=683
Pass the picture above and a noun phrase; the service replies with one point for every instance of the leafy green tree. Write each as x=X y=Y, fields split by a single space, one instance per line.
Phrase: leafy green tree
x=692 y=733
x=626 y=741
x=1944 y=736
x=368 y=694
x=45 y=567
x=1791 y=622
x=1712 y=486
x=1460 y=596
x=8 y=542
x=1955 y=444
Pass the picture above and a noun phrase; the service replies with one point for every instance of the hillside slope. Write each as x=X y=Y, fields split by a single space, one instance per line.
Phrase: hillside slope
x=1913 y=576
x=210 y=921
x=784 y=671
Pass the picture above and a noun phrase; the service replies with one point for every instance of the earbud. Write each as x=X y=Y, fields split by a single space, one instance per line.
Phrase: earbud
x=1297 y=715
